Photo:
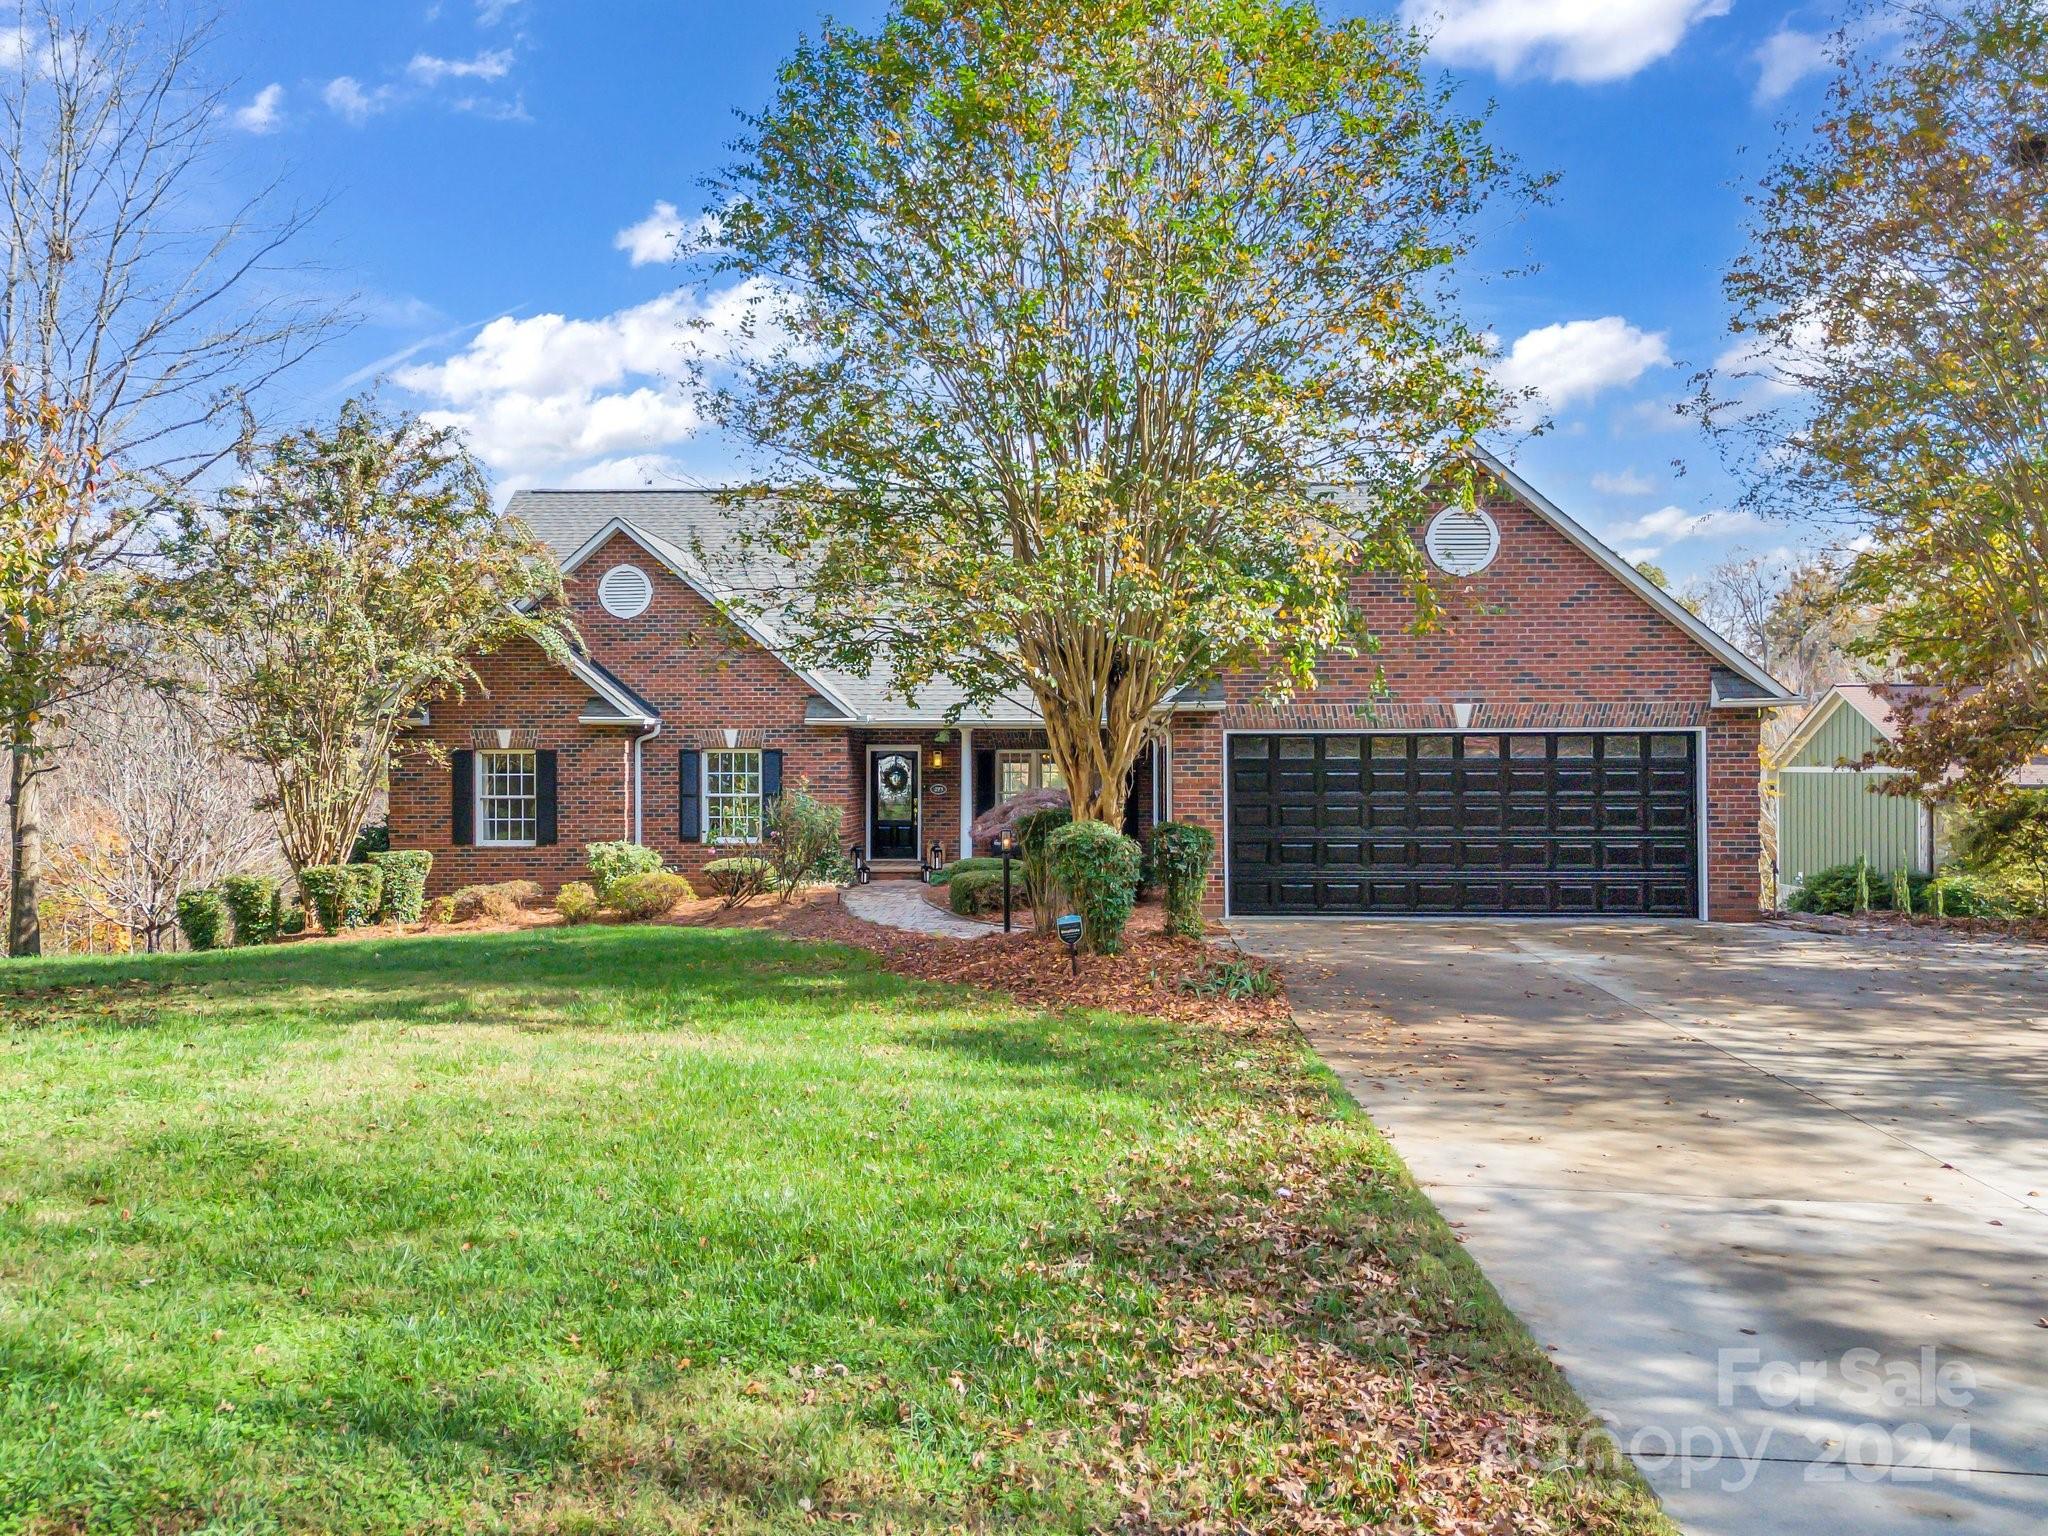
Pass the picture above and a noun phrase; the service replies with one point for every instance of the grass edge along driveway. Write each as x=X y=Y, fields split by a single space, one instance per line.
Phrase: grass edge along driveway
x=621 y=1229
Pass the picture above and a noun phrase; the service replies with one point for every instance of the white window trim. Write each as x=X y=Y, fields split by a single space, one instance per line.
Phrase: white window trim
x=704 y=757
x=478 y=817
x=1040 y=759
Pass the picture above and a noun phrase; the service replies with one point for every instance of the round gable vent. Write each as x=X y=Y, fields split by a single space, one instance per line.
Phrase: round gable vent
x=1461 y=541
x=625 y=591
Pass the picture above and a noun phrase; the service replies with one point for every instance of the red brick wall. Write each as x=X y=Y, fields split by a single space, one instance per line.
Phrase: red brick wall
x=1545 y=636
x=681 y=657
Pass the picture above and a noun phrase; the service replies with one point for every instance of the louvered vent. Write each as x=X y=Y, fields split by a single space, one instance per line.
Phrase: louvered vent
x=625 y=591
x=1461 y=542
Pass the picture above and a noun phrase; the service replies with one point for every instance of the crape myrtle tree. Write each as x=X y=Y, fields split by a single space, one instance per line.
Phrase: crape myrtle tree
x=1893 y=309
x=1059 y=318
x=353 y=573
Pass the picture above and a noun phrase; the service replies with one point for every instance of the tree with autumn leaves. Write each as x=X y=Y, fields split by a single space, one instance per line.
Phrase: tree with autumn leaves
x=1062 y=320
x=1893 y=305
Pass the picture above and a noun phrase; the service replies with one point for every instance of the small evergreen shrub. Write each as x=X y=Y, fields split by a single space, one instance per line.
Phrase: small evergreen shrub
x=1097 y=866
x=291 y=920
x=405 y=883
x=577 y=903
x=202 y=918
x=1181 y=854
x=612 y=862
x=650 y=895
x=1962 y=893
x=254 y=901
x=1845 y=888
x=739 y=879
x=372 y=839
x=343 y=895
x=981 y=890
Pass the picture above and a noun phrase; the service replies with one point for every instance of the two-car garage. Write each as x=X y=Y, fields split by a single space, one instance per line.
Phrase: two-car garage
x=1471 y=823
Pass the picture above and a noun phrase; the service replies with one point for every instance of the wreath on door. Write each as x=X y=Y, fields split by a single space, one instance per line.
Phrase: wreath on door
x=896 y=776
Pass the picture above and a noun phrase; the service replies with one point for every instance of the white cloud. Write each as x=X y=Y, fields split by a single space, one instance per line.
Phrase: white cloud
x=654 y=238
x=264 y=114
x=431 y=71
x=490 y=12
x=1578 y=40
x=548 y=396
x=1578 y=359
x=347 y=99
x=1787 y=57
x=1626 y=483
x=1646 y=537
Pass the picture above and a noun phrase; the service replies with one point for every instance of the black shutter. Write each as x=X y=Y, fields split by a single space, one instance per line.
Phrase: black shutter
x=462 y=798
x=689 y=809
x=984 y=780
x=771 y=775
x=543 y=799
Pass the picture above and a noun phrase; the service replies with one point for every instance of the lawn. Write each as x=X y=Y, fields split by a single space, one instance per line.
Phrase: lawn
x=620 y=1229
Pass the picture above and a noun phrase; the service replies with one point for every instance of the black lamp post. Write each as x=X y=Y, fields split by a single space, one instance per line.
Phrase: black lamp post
x=1006 y=845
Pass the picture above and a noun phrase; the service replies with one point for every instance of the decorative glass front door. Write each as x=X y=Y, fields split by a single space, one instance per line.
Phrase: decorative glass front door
x=892 y=804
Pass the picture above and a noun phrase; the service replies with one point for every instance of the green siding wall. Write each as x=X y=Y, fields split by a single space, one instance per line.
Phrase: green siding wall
x=1844 y=737
x=1831 y=818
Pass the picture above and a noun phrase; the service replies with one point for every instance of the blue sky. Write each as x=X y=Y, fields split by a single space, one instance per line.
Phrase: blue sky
x=495 y=172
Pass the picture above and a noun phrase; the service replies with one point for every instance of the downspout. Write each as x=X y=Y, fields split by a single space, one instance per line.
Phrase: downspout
x=639 y=784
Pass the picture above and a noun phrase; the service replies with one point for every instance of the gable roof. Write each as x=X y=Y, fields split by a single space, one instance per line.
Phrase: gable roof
x=1764 y=691
x=669 y=524
x=1870 y=700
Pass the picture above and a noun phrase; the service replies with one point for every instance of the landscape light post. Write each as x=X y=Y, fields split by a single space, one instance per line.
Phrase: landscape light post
x=1006 y=845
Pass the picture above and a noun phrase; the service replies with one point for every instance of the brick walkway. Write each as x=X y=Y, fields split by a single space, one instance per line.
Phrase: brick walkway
x=902 y=904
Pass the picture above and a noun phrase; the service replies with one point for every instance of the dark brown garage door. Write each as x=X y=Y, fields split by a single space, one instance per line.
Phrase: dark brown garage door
x=1476 y=824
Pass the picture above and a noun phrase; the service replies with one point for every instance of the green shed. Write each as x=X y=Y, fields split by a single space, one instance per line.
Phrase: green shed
x=1832 y=812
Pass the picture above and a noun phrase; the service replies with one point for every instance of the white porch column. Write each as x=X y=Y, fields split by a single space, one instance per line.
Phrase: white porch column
x=966 y=790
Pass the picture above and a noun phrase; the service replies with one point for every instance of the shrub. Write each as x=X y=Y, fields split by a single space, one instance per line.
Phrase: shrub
x=343 y=895
x=577 y=903
x=1181 y=854
x=1097 y=866
x=500 y=902
x=405 y=883
x=801 y=835
x=1034 y=832
x=2004 y=840
x=612 y=862
x=974 y=865
x=372 y=839
x=739 y=879
x=1962 y=893
x=1845 y=888
x=649 y=895
x=290 y=919
x=254 y=901
x=202 y=918
x=981 y=890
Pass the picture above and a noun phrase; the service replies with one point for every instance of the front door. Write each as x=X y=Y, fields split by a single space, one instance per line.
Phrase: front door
x=892 y=803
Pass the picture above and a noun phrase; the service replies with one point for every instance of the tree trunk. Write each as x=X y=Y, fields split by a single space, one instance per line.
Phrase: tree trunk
x=25 y=842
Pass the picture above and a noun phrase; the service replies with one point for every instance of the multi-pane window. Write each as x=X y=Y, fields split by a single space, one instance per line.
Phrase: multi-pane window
x=1019 y=772
x=507 y=798
x=732 y=796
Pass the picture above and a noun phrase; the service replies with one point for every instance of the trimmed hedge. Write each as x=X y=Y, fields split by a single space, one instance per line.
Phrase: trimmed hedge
x=981 y=890
x=977 y=865
x=343 y=895
x=1181 y=854
x=612 y=862
x=405 y=883
x=375 y=838
x=1097 y=866
x=651 y=894
x=202 y=918
x=577 y=903
x=1835 y=891
x=257 y=909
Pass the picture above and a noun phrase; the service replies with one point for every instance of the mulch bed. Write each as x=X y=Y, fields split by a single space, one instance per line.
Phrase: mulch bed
x=1154 y=974
x=1925 y=928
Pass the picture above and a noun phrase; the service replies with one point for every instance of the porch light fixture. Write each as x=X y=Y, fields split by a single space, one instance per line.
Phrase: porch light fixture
x=938 y=758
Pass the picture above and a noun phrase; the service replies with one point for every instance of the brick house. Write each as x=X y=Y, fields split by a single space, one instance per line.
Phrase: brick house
x=1570 y=740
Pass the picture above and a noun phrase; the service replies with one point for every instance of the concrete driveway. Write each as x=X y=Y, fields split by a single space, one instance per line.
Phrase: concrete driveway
x=1773 y=1199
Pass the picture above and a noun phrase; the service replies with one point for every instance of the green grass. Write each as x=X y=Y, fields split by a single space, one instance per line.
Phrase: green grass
x=668 y=1229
